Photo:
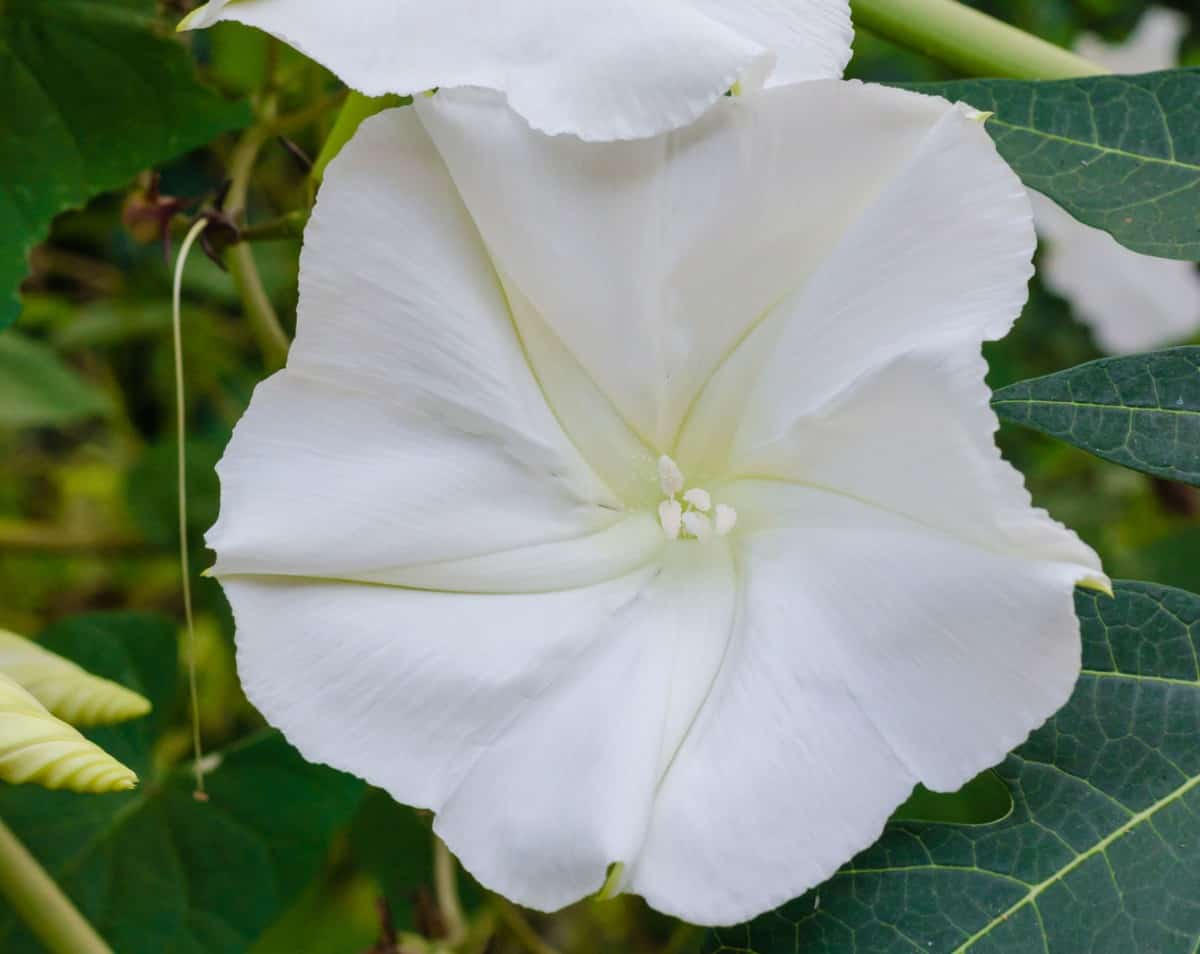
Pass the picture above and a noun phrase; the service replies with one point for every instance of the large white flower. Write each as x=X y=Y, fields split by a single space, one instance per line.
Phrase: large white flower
x=601 y=69
x=638 y=503
x=1132 y=302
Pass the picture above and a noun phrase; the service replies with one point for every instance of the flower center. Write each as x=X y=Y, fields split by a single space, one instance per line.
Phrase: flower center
x=690 y=514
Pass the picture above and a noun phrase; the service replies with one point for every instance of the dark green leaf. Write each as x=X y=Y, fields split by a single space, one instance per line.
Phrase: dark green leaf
x=1141 y=411
x=1102 y=850
x=154 y=870
x=38 y=390
x=1121 y=153
x=89 y=96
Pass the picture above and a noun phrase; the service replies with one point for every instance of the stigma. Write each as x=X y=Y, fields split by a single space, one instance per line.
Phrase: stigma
x=689 y=514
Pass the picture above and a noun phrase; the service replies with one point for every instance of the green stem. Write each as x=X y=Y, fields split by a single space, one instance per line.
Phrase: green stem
x=290 y=226
x=264 y=323
x=967 y=40
x=41 y=904
x=445 y=886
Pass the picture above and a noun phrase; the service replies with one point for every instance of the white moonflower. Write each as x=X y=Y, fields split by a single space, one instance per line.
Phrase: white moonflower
x=638 y=503
x=1132 y=302
x=601 y=69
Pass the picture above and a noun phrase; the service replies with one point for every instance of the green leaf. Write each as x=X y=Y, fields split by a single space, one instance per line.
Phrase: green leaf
x=983 y=799
x=1141 y=411
x=38 y=390
x=154 y=870
x=152 y=490
x=1121 y=153
x=89 y=96
x=393 y=843
x=1101 y=852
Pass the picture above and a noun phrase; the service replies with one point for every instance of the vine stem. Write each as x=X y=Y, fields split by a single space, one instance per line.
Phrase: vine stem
x=41 y=904
x=269 y=333
x=969 y=41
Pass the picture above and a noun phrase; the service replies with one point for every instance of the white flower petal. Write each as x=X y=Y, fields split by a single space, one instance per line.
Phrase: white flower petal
x=942 y=249
x=870 y=653
x=615 y=70
x=1153 y=45
x=1131 y=302
x=810 y=39
x=536 y=726
x=915 y=437
x=325 y=481
x=408 y=431
x=649 y=260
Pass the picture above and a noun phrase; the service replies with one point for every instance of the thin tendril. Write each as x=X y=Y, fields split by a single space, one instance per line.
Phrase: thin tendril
x=181 y=425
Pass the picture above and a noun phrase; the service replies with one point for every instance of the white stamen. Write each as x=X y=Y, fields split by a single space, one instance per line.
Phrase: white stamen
x=670 y=515
x=670 y=477
x=699 y=499
x=698 y=525
x=725 y=519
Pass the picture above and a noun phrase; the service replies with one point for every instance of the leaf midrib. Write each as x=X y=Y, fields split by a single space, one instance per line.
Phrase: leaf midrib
x=1097 y=147
x=1131 y=408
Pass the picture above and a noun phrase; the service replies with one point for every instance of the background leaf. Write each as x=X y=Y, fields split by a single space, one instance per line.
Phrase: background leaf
x=89 y=96
x=1121 y=153
x=1141 y=411
x=38 y=390
x=1101 y=852
x=154 y=870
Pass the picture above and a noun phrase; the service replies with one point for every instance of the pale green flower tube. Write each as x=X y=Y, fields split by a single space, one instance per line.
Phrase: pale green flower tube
x=37 y=747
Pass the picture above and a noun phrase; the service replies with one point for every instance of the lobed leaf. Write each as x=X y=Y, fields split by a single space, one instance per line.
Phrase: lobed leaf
x=1121 y=153
x=89 y=96
x=1141 y=411
x=1101 y=852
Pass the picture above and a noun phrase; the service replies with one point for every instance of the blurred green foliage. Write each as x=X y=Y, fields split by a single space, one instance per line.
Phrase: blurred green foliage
x=87 y=485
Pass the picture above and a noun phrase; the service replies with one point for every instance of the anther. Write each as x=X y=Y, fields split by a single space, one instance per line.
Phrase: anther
x=700 y=499
x=670 y=477
x=698 y=525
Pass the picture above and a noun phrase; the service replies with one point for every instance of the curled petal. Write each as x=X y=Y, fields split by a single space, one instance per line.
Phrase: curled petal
x=622 y=69
x=68 y=691
x=37 y=747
